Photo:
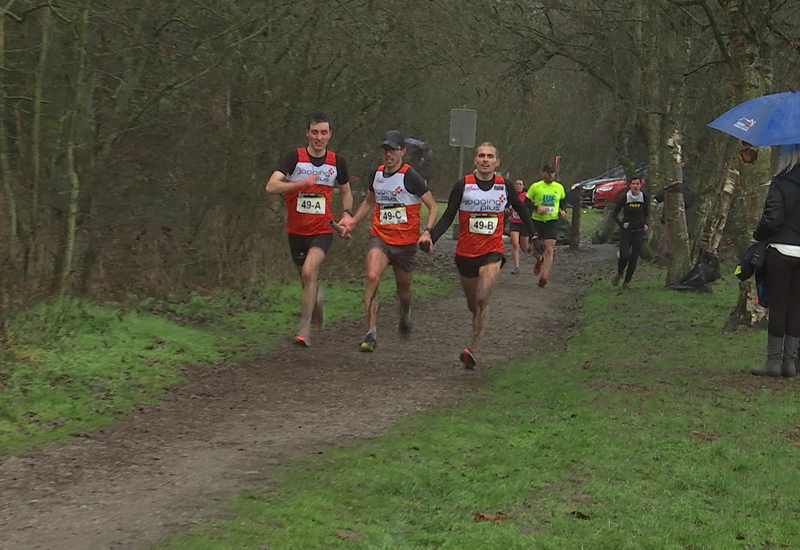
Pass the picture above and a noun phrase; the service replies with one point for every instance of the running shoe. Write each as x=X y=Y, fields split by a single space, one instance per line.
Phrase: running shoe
x=404 y=327
x=538 y=267
x=369 y=343
x=626 y=286
x=515 y=270
x=318 y=315
x=542 y=281
x=468 y=359
x=615 y=279
x=301 y=338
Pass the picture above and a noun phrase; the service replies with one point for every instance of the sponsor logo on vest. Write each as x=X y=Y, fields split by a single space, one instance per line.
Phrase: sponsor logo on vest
x=322 y=174
x=493 y=204
x=388 y=194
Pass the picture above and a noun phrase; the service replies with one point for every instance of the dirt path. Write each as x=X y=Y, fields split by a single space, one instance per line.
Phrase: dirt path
x=155 y=471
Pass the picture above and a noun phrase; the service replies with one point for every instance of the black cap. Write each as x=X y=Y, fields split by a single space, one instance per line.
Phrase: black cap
x=394 y=139
x=548 y=168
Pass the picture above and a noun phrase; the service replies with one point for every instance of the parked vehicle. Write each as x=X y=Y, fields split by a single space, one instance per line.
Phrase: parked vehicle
x=588 y=186
x=607 y=192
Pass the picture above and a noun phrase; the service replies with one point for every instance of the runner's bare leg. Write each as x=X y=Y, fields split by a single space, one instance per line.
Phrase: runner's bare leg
x=549 y=249
x=403 y=280
x=478 y=290
x=525 y=244
x=377 y=262
x=309 y=273
x=515 y=244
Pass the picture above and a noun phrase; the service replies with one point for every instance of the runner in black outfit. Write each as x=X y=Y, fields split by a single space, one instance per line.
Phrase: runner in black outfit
x=635 y=208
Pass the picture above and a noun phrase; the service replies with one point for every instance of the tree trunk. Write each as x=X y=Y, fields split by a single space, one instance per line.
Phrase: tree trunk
x=5 y=167
x=719 y=215
x=36 y=142
x=80 y=97
x=678 y=255
x=751 y=64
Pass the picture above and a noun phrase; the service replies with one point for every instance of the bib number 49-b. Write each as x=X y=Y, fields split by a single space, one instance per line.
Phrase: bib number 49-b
x=310 y=203
x=484 y=225
x=393 y=215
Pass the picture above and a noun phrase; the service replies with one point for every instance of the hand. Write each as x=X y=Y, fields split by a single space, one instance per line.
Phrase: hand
x=646 y=227
x=625 y=225
x=541 y=209
x=310 y=179
x=425 y=243
x=347 y=222
x=562 y=213
x=341 y=231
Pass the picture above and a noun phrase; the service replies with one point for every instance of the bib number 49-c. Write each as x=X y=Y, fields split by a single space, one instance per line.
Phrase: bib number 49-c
x=483 y=225
x=393 y=215
x=310 y=203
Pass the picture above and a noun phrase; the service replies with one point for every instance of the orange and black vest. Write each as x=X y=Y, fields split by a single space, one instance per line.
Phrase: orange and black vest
x=396 y=217
x=308 y=210
x=480 y=218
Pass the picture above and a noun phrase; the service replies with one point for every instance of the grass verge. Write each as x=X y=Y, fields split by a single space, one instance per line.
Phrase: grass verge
x=76 y=365
x=641 y=429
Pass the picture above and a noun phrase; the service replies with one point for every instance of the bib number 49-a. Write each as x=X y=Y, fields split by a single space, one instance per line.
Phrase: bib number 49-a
x=310 y=203
x=392 y=215
x=484 y=225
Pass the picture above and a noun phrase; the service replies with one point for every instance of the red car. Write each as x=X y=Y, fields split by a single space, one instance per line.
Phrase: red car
x=607 y=192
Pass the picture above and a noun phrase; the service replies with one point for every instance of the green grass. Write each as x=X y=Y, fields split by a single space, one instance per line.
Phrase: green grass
x=75 y=365
x=643 y=431
x=590 y=217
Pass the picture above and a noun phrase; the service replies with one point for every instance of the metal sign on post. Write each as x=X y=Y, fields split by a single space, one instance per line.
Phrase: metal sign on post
x=463 y=123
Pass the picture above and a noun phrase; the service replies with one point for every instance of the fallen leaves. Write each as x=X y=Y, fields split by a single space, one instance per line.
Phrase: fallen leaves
x=481 y=516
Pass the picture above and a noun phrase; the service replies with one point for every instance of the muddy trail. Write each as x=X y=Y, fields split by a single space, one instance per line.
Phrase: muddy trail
x=155 y=471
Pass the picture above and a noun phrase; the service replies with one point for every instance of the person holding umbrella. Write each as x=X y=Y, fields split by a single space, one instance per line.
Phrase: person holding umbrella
x=773 y=120
x=780 y=224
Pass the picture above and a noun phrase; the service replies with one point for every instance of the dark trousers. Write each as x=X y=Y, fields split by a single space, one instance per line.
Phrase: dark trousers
x=783 y=286
x=630 y=245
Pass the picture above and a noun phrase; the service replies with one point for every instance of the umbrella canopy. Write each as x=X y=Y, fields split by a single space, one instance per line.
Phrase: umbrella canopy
x=767 y=120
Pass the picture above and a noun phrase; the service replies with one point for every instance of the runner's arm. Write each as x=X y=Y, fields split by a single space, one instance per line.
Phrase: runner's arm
x=517 y=205
x=428 y=200
x=450 y=212
x=278 y=184
x=347 y=221
x=365 y=207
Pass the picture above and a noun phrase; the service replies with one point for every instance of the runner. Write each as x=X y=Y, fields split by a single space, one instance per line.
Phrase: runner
x=635 y=208
x=306 y=177
x=519 y=232
x=480 y=199
x=397 y=192
x=545 y=197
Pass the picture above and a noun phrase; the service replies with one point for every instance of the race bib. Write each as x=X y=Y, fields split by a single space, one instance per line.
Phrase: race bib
x=483 y=224
x=393 y=215
x=549 y=210
x=311 y=203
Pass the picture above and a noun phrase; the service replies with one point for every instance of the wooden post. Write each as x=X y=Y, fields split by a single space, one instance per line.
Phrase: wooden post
x=577 y=204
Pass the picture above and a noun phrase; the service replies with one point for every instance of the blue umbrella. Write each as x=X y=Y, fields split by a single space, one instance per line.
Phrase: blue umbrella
x=767 y=120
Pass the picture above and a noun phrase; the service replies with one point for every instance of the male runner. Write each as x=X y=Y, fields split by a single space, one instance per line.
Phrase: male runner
x=306 y=177
x=519 y=233
x=396 y=192
x=480 y=199
x=545 y=198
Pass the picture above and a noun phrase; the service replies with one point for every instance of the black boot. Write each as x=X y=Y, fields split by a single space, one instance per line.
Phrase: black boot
x=788 y=368
x=772 y=366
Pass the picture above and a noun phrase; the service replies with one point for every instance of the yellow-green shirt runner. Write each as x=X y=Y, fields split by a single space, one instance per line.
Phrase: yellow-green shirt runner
x=548 y=195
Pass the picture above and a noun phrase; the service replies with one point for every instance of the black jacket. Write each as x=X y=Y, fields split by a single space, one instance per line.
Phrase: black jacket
x=780 y=220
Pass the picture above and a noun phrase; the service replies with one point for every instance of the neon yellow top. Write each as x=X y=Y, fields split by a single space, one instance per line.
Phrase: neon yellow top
x=548 y=195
